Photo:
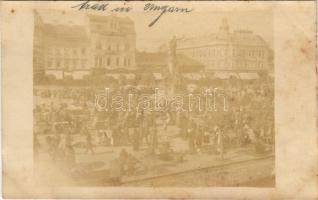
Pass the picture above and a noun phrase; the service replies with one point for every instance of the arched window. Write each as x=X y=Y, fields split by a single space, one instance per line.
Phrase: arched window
x=58 y=63
x=100 y=59
x=125 y=61
x=83 y=64
x=75 y=63
x=66 y=63
x=96 y=61
x=98 y=45
x=117 y=61
x=108 y=61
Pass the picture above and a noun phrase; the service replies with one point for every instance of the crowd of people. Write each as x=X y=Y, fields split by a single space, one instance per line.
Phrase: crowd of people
x=63 y=114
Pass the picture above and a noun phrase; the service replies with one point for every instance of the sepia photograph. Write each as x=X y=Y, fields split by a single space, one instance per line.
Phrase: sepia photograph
x=117 y=104
x=159 y=100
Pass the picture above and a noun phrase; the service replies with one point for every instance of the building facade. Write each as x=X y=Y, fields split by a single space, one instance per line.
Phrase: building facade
x=113 y=42
x=241 y=50
x=66 y=51
x=69 y=49
x=38 y=56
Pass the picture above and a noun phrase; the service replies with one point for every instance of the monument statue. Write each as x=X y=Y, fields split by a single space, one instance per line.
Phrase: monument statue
x=173 y=47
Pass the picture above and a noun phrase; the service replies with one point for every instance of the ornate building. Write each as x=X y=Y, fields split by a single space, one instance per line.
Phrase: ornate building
x=67 y=51
x=113 y=42
x=241 y=50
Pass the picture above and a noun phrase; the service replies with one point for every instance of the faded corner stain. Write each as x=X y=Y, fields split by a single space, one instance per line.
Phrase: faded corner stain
x=307 y=49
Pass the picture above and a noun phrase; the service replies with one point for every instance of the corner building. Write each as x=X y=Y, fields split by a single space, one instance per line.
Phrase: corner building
x=240 y=50
x=113 y=42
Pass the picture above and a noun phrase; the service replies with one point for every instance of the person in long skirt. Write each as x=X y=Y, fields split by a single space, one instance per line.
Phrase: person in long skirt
x=136 y=139
x=192 y=136
x=109 y=136
x=89 y=144
x=220 y=145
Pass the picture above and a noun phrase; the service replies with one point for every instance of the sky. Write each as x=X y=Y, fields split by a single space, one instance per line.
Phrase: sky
x=182 y=24
x=197 y=24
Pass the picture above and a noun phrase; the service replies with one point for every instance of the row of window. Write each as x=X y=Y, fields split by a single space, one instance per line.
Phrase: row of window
x=67 y=63
x=249 y=65
x=247 y=52
x=110 y=26
x=102 y=61
x=236 y=64
x=204 y=52
x=112 y=47
x=66 y=51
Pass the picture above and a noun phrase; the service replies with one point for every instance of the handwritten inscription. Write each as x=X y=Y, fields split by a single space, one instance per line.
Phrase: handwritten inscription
x=164 y=9
x=91 y=6
x=148 y=7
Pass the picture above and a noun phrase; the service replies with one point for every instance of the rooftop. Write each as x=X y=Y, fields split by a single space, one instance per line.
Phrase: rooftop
x=224 y=36
x=75 y=19
x=74 y=32
x=60 y=17
x=148 y=60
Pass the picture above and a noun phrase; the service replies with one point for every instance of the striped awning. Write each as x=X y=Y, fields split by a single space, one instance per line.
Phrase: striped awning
x=248 y=76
